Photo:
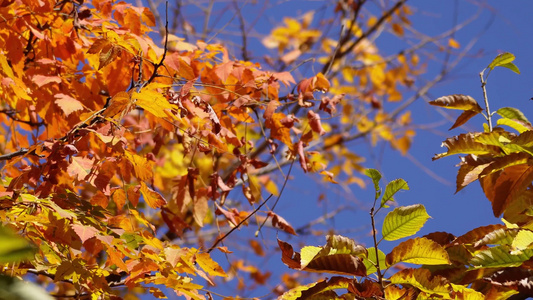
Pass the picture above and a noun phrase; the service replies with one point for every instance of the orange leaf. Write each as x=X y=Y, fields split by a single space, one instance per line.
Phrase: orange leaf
x=142 y=167
x=84 y=232
x=68 y=104
x=452 y=43
x=152 y=198
x=115 y=257
x=119 y=105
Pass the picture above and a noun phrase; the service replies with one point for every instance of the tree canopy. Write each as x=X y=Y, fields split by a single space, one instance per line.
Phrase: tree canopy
x=136 y=140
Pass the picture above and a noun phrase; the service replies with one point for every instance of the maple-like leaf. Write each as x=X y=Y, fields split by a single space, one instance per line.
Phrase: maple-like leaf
x=84 y=232
x=68 y=104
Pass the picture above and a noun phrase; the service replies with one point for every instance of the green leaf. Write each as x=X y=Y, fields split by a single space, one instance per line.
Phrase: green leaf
x=499 y=257
x=404 y=221
x=13 y=248
x=501 y=60
x=421 y=251
x=375 y=176
x=371 y=261
x=512 y=113
x=392 y=188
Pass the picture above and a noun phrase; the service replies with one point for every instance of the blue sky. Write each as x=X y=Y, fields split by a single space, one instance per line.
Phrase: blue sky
x=502 y=26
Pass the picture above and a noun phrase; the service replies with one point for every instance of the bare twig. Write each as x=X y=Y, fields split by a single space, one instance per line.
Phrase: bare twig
x=154 y=74
x=365 y=34
x=238 y=225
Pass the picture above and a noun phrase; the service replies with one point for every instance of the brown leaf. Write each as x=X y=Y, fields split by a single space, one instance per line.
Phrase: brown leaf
x=280 y=223
x=510 y=183
x=461 y=102
x=288 y=256
x=330 y=105
x=463 y=118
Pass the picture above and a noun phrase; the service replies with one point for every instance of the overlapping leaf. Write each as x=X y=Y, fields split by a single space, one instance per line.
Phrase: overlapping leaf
x=418 y=251
x=404 y=221
x=339 y=256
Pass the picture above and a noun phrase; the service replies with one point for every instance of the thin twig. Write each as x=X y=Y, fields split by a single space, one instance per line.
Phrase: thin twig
x=154 y=74
x=238 y=225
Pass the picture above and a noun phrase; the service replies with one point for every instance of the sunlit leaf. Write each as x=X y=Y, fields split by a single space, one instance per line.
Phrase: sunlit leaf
x=500 y=257
x=461 y=102
x=522 y=240
x=466 y=144
x=501 y=59
x=392 y=188
x=520 y=126
x=418 y=251
x=371 y=261
x=423 y=280
x=375 y=176
x=512 y=113
x=404 y=221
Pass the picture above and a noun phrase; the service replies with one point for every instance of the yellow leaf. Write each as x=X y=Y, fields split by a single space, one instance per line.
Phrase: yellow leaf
x=418 y=251
x=320 y=83
x=152 y=101
x=210 y=266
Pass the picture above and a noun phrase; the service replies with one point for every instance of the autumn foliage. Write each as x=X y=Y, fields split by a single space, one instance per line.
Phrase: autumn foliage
x=120 y=142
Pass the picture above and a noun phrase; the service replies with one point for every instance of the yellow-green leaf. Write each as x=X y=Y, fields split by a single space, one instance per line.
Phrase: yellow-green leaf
x=371 y=261
x=512 y=113
x=392 y=188
x=404 y=221
x=13 y=248
x=420 y=251
x=517 y=125
x=500 y=257
x=522 y=240
x=501 y=60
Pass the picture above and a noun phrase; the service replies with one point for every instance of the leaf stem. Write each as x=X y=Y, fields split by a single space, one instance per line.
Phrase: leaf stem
x=487 y=109
x=380 y=275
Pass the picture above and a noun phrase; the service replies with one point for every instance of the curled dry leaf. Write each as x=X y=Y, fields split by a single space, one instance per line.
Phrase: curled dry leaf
x=280 y=223
x=330 y=105
x=314 y=122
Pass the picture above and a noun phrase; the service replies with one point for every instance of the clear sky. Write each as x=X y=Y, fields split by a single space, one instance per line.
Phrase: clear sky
x=501 y=26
